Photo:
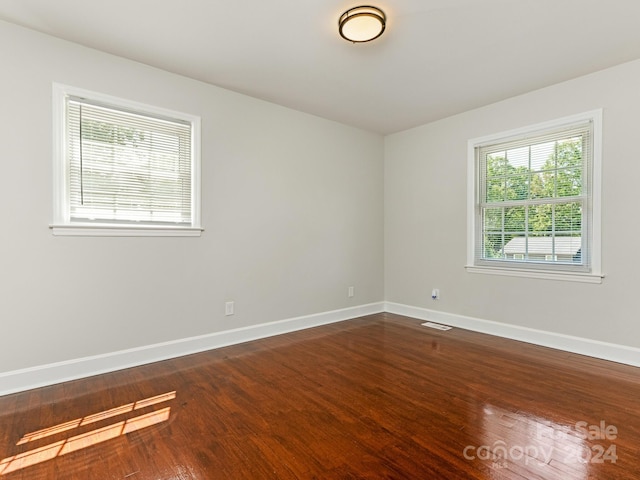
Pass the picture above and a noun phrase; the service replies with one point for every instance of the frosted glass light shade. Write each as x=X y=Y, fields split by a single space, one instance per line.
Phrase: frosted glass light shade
x=362 y=24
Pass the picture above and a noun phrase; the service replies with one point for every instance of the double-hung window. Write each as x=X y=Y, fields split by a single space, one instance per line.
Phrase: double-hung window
x=123 y=168
x=534 y=201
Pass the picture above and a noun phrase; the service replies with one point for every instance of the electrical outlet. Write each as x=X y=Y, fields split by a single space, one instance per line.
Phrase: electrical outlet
x=351 y=292
x=435 y=294
x=229 y=308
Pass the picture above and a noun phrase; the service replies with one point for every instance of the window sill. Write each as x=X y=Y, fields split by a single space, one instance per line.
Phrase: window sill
x=124 y=231
x=545 y=275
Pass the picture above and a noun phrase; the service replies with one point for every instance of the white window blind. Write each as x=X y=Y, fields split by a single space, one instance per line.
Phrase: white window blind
x=124 y=164
x=534 y=199
x=126 y=167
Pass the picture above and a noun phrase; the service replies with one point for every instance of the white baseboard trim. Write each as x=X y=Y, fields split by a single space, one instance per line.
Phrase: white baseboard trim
x=583 y=346
x=43 y=375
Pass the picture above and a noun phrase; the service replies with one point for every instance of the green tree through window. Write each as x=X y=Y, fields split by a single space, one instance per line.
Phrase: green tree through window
x=533 y=191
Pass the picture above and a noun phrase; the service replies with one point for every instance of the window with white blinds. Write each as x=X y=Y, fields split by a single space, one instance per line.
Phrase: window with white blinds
x=124 y=166
x=534 y=199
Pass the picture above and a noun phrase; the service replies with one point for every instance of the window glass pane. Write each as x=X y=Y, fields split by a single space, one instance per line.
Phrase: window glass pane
x=518 y=158
x=517 y=187
x=515 y=247
x=540 y=154
x=537 y=186
x=547 y=187
x=539 y=246
x=493 y=245
x=540 y=218
x=493 y=219
x=569 y=153
x=496 y=164
x=514 y=219
x=568 y=218
x=569 y=182
x=496 y=190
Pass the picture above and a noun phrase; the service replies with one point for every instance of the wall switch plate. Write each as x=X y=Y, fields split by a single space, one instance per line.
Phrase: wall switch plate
x=228 y=308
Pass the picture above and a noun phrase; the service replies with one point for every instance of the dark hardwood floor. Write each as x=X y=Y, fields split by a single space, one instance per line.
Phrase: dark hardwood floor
x=372 y=398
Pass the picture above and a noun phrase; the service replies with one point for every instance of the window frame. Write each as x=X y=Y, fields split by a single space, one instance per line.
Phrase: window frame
x=62 y=224
x=538 y=270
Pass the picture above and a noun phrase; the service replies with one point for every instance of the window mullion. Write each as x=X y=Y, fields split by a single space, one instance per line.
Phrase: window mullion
x=533 y=202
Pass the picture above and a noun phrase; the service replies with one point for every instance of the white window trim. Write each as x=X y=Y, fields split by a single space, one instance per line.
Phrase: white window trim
x=62 y=225
x=595 y=275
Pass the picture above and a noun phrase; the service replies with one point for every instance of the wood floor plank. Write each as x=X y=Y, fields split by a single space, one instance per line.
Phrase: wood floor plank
x=379 y=397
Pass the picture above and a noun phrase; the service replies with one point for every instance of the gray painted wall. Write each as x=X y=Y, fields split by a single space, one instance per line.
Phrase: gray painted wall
x=292 y=207
x=426 y=215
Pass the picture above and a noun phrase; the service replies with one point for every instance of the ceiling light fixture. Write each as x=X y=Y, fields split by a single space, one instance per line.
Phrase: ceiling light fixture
x=362 y=24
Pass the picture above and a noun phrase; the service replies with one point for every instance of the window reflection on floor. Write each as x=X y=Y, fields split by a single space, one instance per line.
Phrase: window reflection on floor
x=519 y=443
x=88 y=439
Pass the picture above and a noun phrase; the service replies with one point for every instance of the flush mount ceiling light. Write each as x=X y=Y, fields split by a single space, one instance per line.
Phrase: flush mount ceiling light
x=362 y=24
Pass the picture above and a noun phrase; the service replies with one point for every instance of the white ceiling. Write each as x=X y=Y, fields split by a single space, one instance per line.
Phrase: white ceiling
x=436 y=57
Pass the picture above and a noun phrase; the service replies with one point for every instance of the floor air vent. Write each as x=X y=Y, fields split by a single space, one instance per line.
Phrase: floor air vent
x=437 y=326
